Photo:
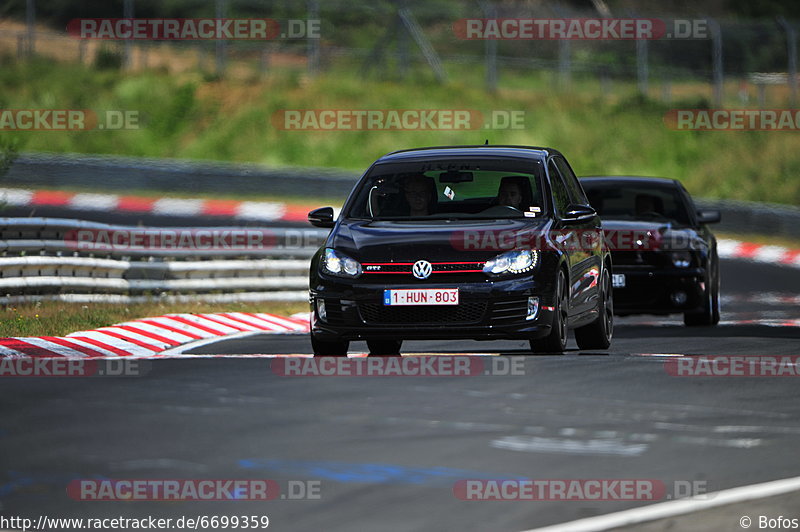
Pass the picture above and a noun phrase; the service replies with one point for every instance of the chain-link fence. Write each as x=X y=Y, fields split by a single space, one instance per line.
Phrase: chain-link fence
x=744 y=62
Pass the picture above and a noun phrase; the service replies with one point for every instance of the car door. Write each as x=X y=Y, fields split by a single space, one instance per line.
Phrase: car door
x=562 y=233
x=585 y=242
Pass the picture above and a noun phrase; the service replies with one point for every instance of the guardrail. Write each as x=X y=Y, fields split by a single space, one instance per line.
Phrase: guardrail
x=744 y=217
x=111 y=173
x=46 y=258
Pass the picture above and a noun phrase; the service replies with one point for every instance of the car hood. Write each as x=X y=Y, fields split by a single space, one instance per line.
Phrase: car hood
x=434 y=241
x=626 y=235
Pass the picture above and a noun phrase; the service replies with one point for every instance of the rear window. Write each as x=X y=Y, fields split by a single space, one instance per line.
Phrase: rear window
x=447 y=189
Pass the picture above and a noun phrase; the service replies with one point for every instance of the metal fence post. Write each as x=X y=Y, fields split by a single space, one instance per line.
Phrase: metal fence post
x=791 y=43
x=30 y=21
x=666 y=91
x=606 y=84
x=82 y=51
x=128 y=12
x=642 y=72
x=490 y=49
x=313 y=42
x=564 y=62
x=22 y=46
x=716 y=60
x=221 y=10
x=403 y=58
x=263 y=64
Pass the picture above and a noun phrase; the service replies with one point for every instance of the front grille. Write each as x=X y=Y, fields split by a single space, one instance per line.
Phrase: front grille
x=640 y=258
x=437 y=267
x=463 y=313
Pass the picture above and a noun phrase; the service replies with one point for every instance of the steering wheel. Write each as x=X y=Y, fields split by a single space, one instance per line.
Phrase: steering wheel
x=650 y=214
x=501 y=209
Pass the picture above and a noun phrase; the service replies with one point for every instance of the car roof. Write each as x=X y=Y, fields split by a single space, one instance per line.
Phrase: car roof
x=478 y=150
x=630 y=180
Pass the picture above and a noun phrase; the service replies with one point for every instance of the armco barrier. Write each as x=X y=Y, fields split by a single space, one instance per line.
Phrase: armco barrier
x=755 y=218
x=40 y=258
x=33 y=170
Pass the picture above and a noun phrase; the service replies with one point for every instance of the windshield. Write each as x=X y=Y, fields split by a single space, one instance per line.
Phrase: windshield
x=475 y=188
x=621 y=201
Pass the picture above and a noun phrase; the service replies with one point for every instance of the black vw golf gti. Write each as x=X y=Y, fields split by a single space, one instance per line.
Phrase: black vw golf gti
x=463 y=242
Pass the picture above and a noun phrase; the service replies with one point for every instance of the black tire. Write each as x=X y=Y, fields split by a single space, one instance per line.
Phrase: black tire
x=715 y=301
x=597 y=335
x=384 y=347
x=556 y=341
x=329 y=348
x=709 y=314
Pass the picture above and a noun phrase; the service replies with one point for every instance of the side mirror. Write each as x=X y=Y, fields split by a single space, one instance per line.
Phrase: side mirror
x=709 y=217
x=322 y=217
x=579 y=213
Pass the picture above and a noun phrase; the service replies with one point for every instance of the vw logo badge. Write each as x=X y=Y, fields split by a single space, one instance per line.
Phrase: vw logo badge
x=422 y=269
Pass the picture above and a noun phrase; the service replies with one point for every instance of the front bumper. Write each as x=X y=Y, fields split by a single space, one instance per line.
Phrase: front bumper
x=658 y=291
x=487 y=310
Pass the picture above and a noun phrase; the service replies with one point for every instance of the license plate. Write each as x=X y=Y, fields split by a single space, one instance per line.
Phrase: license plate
x=618 y=280
x=421 y=296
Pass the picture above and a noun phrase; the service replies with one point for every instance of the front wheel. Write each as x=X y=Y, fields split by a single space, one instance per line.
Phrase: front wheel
x=597 y=335
x=709 y=314
x=556 y=341
x=329 y=348
x=384 y=347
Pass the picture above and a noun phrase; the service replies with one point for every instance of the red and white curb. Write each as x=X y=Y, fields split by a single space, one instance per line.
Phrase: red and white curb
x=779 y=255
x=152 y=337
x=245 y=210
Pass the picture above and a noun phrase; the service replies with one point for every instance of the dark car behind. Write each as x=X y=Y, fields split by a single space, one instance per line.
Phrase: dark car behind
x=664 y=255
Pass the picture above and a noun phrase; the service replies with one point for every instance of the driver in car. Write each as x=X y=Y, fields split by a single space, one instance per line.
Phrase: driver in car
x=420 y=192
x=648 y=205
x=514 y=191
x=509 y=194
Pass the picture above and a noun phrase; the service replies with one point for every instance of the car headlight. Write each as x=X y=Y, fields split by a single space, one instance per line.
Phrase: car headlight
x=337 y=263
x=518 y=261
x=681 y=259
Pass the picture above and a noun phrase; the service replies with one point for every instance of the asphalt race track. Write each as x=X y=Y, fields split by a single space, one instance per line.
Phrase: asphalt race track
x=386 y=452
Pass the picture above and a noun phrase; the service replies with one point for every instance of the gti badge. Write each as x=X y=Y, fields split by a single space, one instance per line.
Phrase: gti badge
x=422 y=269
